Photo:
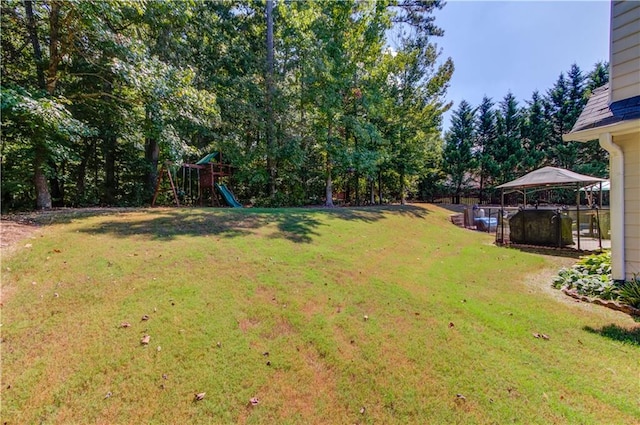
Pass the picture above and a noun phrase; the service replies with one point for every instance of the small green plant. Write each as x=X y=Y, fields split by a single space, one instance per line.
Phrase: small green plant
x=629 y=292
x=596 y=264
x=590 y=276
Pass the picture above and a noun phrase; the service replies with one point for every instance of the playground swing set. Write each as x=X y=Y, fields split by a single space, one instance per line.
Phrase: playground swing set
x=205 y=176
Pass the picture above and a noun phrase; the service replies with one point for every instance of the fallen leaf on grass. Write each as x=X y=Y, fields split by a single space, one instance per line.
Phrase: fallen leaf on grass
x=145 y=340
x=200 y=396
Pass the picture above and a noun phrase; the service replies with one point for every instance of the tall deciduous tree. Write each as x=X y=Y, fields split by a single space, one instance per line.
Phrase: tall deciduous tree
x=320 y=104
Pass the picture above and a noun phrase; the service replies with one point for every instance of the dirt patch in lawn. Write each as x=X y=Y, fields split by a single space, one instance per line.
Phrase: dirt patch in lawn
x=540 y=285
x=12 y=233
x=13 y=236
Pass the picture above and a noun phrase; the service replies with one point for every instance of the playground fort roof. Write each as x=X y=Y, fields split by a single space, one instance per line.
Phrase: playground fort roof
x=212 y=157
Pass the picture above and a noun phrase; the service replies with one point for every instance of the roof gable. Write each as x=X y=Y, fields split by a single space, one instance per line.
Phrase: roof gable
x=598 y=112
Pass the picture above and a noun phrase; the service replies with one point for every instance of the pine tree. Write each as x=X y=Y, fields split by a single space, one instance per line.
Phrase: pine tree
x=598 y=77
x=558 y=112
x=508 y=153
x=459 y=161
x=566 y=100
x=535 y=134
x=485 y=140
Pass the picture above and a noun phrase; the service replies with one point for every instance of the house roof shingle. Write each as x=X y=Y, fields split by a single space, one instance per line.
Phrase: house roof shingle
x=598 y=112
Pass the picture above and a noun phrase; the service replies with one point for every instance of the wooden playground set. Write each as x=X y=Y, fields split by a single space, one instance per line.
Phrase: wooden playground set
x=196 y=184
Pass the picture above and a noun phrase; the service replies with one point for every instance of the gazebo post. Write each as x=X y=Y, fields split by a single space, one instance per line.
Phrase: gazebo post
x=501 y=217
x=598 y=219
x=578 y=212
x=600 y=195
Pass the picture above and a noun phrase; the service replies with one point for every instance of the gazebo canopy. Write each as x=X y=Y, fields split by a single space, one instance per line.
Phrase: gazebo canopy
x=551 y=176
x=606 y=187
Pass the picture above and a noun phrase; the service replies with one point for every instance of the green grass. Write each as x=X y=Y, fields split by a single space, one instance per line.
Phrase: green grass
x=297 y=284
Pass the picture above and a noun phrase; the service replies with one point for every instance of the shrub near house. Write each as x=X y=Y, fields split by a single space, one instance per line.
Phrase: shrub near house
x=591 y=276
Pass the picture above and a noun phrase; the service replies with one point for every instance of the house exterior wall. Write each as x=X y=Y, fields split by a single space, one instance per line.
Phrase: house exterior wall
x=630 y=144
x=625 y=50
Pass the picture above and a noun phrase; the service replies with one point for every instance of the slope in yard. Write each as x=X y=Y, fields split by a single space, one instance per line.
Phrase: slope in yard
x=376 y=315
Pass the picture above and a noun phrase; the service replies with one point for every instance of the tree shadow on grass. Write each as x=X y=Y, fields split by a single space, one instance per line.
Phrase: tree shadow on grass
x=295 y=225
x=618 y=333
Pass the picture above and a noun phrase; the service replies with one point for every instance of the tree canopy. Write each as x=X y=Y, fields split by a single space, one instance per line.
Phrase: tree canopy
x=304 y=98
x=309 y=100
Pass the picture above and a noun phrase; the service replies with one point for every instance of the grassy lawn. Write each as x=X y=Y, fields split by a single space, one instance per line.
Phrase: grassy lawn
x=376 y=315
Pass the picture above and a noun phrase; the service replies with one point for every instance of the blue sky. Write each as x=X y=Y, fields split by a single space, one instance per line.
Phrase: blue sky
x=519 y=46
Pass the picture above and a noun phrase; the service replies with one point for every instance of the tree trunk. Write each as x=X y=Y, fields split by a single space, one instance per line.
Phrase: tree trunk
x=380 y=187
x=110 y=170
x=33 y=36
x=329 y=168
x=347 y=190
x=81 y=176
x=269 y=100
x=43 y=197
x=357 y=188
x=54 y=51
x=56 y=185
x=402 y=189
x=151 y=154
x=329 y=188
x=373 y=196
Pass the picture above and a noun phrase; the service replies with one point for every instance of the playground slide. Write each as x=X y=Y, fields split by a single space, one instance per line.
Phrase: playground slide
x=228 y=197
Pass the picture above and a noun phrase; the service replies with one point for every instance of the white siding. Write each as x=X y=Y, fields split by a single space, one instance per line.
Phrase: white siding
x=621 y=7
x=625 y=50
x=630 y=144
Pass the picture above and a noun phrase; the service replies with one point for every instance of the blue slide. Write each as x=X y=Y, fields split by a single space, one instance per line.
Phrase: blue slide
x=228 y=197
